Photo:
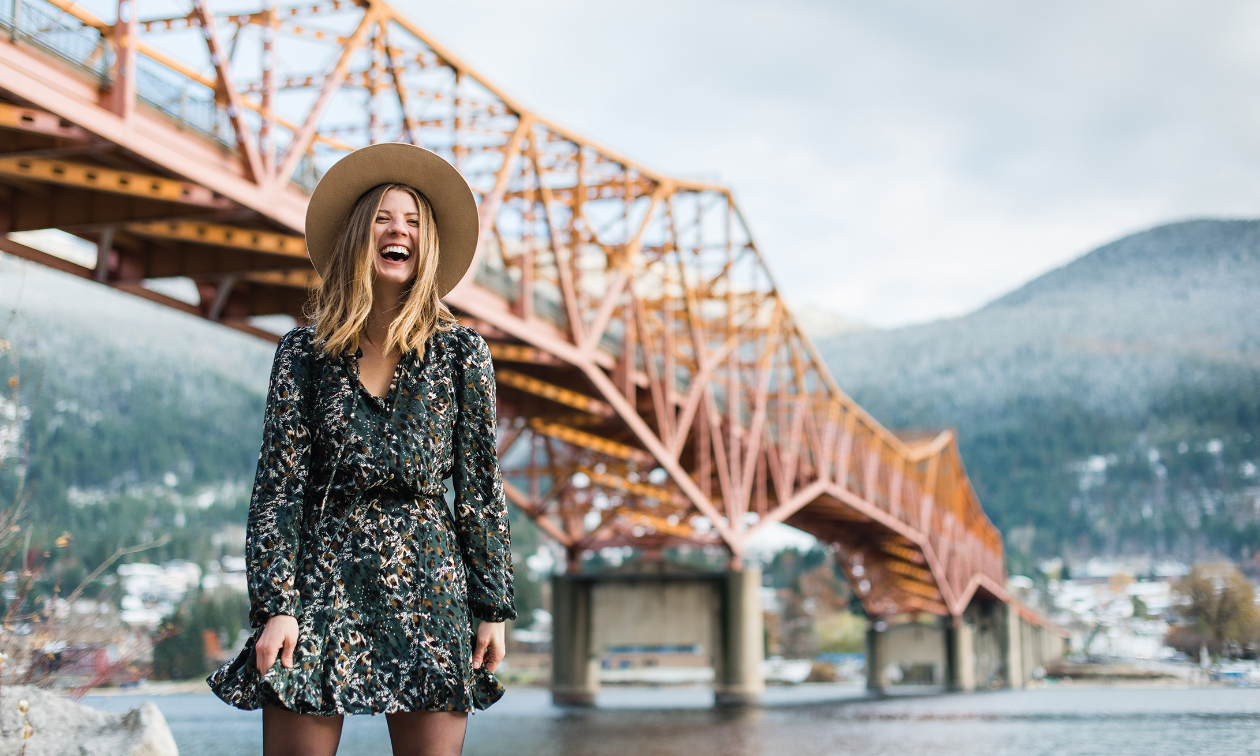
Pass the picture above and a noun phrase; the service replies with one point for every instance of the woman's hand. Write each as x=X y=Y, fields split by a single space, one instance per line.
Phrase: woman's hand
x=491 y=646
x=280 y=636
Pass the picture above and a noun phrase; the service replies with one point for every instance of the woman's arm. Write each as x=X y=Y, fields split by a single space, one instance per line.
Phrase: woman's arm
x=275 y=509
x=481 y=516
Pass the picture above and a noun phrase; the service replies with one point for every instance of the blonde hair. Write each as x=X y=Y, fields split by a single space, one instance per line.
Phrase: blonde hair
x=342 y=304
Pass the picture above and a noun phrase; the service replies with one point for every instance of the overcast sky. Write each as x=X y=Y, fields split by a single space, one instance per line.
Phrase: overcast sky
x=901 y=161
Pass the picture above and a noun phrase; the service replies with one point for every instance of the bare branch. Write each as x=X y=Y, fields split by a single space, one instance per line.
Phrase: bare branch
x=122 y=552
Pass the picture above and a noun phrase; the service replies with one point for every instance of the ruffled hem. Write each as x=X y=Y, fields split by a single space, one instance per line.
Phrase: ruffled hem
x=302 y=689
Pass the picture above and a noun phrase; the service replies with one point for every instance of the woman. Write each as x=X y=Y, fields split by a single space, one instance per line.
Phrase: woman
x=363 y=580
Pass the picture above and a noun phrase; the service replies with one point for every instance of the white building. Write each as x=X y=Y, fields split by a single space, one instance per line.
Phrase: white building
x=1113 y=614
x=151 y=591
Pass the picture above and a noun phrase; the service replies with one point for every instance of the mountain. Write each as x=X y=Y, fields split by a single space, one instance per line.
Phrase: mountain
x=133 y=420
x=1111 y=405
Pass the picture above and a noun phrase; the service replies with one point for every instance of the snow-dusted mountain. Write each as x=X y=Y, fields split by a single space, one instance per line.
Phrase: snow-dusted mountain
x=57 y=314
x=117 y=391
x=1141 y=352
x=1176 y=303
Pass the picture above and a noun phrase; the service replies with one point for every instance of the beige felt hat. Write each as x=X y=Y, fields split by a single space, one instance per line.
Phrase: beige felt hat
x=350 y=178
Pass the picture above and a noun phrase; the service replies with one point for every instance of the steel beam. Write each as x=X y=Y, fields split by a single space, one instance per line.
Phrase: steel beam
x=35 y=121
x=590 y=441
x=254 y=240
x=102 y=179
x=552 y=392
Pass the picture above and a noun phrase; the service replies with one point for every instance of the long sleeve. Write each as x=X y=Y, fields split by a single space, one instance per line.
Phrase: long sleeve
x=481 y=516
x=275 y=508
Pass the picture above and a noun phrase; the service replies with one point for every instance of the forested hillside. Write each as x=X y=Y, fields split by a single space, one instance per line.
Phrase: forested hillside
x=134 y=421
x=1109 y=406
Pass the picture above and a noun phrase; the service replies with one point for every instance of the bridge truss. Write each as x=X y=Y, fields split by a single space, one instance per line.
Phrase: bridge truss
x=654 y=388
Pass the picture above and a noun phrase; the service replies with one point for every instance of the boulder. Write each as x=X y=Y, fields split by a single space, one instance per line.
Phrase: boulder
x=61 y=727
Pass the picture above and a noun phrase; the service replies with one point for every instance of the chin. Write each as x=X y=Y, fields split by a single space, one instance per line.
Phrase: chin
x=394 y=275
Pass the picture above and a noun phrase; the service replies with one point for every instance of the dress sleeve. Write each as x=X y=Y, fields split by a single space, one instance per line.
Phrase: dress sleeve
x=481 y=516
x=275 y=508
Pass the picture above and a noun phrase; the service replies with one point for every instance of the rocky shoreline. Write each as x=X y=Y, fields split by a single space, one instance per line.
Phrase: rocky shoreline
x=35 y=722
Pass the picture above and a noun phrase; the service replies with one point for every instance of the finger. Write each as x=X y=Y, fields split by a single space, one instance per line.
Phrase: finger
x=495 y=651
x=493 y=658
x=480 y=651
x=265 y=655
x=290 y=642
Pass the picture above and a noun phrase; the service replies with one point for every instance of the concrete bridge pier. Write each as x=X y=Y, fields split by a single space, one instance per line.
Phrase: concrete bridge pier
x=960 y=657
x=912 y=653
x=992 y=645
x=738 y=679
x=574 y=665
x=1031 y=647
x=875 y=629
x=1012 y=647
x=719 y=612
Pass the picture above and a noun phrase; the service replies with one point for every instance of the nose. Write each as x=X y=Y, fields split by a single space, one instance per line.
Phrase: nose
x=398 y=226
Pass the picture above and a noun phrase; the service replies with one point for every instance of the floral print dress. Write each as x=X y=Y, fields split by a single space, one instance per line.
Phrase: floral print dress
x=350 y=532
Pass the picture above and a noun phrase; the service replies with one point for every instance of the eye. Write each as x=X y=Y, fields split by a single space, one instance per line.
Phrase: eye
x=382 y=219
x=415 y=223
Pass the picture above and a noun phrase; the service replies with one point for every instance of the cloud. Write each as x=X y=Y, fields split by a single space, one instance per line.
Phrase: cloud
x=902 y=161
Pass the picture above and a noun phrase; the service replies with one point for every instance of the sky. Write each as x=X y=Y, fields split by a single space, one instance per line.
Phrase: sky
x=902 y=161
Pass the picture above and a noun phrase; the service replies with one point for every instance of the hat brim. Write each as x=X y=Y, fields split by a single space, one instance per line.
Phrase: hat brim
x=454 y=208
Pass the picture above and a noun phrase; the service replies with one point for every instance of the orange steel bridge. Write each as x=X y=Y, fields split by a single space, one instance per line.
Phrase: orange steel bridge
x=654 y=389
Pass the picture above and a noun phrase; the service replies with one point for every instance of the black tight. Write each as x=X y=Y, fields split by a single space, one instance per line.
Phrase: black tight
x=427 y=733
x=416 y=733
x=286 y=733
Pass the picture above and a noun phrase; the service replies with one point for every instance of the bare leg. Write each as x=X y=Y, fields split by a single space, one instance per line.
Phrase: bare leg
x=286 y=733
x=427 y=733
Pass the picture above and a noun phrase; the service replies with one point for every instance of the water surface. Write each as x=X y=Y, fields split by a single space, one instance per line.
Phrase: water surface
x=1066 y=721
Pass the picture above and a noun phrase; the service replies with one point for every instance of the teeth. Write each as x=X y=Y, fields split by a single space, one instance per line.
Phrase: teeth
x=396 y=250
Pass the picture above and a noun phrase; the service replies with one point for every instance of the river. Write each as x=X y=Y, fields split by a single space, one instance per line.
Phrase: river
x=801 y=721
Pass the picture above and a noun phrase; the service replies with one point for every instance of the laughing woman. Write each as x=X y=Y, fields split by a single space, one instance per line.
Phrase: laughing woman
x=363 y=581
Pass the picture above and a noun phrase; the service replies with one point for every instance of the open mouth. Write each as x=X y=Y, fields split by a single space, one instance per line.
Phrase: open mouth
x=396 y=253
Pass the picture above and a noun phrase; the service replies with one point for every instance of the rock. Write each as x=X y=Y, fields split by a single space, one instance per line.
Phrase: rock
x=62 y=727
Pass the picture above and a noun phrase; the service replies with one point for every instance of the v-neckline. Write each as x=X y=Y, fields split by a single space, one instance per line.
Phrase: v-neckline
x=386 y=401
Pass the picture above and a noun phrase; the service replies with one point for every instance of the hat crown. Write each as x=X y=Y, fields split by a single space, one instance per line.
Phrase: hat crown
x=448 y=193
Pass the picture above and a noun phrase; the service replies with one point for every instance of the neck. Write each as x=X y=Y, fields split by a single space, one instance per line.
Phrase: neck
x=387 y=302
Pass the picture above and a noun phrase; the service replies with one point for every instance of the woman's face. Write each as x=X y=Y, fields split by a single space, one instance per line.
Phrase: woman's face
x=395 y=230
